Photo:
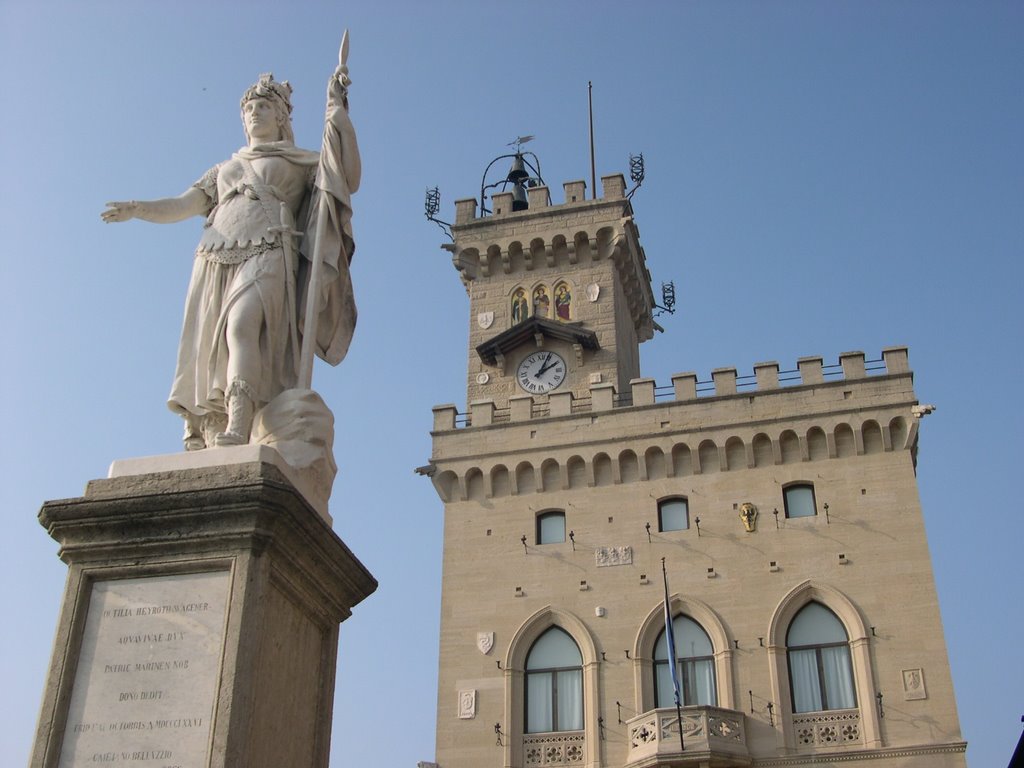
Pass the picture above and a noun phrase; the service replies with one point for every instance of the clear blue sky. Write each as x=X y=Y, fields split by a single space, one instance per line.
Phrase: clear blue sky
x=821 y=177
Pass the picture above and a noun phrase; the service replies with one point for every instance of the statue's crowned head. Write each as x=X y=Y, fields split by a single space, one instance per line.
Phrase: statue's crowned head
x=277 y=93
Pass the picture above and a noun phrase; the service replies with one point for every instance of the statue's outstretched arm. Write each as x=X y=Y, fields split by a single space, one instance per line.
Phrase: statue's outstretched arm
x=167 y=210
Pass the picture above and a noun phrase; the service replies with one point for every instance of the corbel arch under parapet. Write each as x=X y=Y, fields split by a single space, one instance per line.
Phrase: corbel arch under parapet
x=540 y=253
x=871 y=437
x=655 y=466
x=735 y=454
x=860 y=654
x=467 y=262
x=629 y=467
x=500 y=484
x=583 y=249
x=762 y=445
x=515 y=666
x=651 y=627
x=817 y=444
x=682 y=460
x=576 y=470
x=491 y=260
x=447 y=486
x=474 y=482
x=606 y=241
x=526 y=479
x=550 y=475
x=898 y=433
x=514 y=259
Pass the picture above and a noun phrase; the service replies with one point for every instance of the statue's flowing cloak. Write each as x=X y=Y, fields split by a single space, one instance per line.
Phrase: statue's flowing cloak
x=242 y=253
x=337 y=178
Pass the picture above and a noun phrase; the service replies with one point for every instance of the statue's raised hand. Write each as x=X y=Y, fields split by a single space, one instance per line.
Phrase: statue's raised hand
x=120 y=211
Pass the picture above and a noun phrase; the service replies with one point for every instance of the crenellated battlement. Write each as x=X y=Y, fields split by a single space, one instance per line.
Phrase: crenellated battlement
x=766 y=380
x=728 y=423
x=539 y=198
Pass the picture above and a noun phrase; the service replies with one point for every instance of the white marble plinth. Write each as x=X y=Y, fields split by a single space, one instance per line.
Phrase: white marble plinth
x=216 y=457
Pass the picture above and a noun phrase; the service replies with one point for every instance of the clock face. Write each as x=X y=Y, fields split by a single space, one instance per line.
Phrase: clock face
x=541 y=372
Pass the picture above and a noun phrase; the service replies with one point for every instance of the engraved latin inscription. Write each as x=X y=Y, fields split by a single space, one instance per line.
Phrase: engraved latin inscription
x=147 y=672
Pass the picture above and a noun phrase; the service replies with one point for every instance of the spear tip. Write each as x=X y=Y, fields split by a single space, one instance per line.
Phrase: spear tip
x=343 y=50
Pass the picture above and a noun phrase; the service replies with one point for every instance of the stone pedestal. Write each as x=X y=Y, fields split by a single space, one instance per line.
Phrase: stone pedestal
x=199 y=625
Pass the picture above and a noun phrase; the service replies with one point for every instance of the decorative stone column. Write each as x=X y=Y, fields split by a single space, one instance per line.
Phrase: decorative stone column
x=199 y=625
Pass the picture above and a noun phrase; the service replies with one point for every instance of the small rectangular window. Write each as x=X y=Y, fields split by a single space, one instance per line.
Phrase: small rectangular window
x=673 y=515
x=551 y=528
x=800 y=501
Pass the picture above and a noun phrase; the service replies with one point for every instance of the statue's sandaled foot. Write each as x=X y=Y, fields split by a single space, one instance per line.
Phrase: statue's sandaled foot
x=193 y=437
x=225 y=439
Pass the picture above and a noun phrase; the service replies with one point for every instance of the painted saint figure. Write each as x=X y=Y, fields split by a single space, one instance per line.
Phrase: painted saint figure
x=242 y=330
x=563 y=302
x=519 y=306
x=541 y=302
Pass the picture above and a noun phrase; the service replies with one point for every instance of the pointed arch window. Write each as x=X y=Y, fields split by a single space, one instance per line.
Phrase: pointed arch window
x=554 y=684
x=695 y=665
x=818 y=651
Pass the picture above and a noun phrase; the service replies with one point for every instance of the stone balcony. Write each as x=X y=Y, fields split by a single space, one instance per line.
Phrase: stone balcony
x=565 y=748
x=711 y=736
x=827 y=730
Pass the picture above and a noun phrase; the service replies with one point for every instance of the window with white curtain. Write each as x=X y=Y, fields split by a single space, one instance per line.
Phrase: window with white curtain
x=673 y=514
x=695 y=665
x=554 y=684
x=820 y=672
x=551 y=527
x=799 y=499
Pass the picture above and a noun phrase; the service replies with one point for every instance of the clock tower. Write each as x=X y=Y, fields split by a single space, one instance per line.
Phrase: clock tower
x=560 y=296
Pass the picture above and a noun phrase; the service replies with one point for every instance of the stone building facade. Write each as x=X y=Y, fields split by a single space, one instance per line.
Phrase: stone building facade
x=782 y=505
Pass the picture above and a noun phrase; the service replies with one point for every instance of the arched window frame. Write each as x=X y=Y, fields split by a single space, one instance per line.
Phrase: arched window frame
x=860 y=656
x=826 y=693
x=647 y=635
x=558 y=679
x=687 y=668
x=792 y=488
x=669 y=500
x=543 y=533
x=514 y=667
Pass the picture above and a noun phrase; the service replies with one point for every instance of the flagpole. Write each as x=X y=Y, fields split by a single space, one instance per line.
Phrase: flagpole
x=309 y=327
x=670 y=641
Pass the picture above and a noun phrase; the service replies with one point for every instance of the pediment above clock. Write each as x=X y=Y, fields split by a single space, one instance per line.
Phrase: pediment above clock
x=494 y=349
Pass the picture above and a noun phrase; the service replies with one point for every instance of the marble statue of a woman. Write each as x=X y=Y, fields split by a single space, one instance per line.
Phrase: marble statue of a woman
x=243 y=325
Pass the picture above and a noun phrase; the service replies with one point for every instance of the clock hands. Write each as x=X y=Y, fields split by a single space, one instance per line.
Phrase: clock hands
x=546 y=364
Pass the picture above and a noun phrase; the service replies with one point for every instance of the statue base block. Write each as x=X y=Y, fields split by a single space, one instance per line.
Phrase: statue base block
x=200 y=619
x=208 y=458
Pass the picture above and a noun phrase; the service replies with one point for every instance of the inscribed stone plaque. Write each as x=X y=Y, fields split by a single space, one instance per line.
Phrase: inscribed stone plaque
x=147 y=672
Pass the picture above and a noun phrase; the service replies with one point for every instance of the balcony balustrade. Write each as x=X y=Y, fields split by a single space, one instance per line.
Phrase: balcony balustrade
x=711 y=735
x=554 y=749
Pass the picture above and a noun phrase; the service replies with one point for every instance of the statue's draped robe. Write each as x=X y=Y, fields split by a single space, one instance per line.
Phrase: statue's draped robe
x=242 y=254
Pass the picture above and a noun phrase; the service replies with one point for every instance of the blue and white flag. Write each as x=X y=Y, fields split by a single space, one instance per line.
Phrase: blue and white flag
x=670 y=638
